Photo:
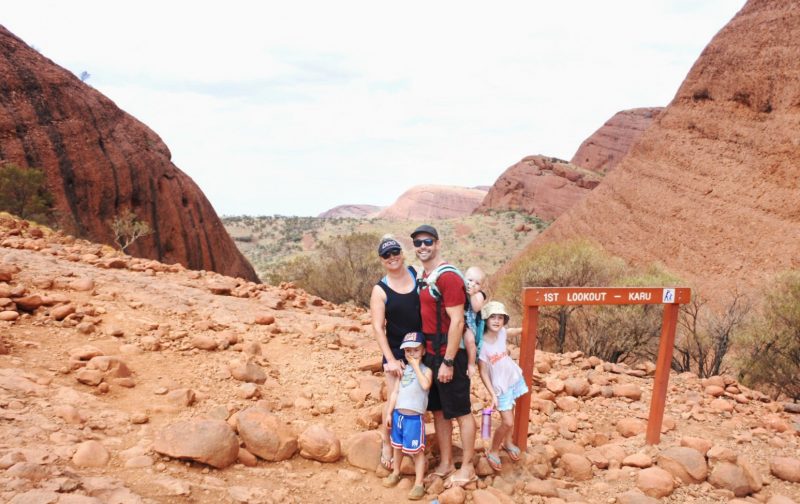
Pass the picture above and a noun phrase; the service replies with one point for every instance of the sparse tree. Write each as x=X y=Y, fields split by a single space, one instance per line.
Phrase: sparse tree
x=85 y=76
x=704 y=338
x=570 y=264
x=626 y=332
x=342 y=269
x=23 y=192
x=127 y=229
x=771 y=348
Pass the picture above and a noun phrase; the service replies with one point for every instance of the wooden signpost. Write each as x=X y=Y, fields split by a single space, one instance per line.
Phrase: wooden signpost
x=534 y=297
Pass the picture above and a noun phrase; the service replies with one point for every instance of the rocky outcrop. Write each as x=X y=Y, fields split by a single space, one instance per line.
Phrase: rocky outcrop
x=100 y=162
x=711 y=188
x=357 y=211
x=541 y=186
x=602 y=151
x=434 y=202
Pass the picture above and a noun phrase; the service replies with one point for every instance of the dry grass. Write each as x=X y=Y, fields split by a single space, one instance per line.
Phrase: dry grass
x=484 y=240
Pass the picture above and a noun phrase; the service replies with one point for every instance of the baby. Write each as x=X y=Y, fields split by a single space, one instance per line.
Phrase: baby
x=477 y=298
x=408 y=402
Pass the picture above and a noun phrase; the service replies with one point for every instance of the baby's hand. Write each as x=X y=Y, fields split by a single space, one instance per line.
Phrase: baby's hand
x=412 y=361
x=471 y=370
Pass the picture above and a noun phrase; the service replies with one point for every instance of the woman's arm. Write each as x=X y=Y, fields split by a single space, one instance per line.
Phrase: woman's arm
x=377 y=310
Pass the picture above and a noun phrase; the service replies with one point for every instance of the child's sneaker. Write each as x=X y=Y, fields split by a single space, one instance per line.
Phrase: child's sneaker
x=391 y=480
x=416 y=493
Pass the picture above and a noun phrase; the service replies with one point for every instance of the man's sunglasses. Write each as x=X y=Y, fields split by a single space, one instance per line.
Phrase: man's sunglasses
x=393 y=252
x=428 y=242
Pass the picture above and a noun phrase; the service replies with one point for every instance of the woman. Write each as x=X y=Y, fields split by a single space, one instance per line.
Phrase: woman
x=394 y=306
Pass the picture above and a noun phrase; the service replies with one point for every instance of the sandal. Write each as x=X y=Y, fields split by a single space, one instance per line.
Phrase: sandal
x=513 y=452
x=494 y=462
x=416 y=493
x=391 y=481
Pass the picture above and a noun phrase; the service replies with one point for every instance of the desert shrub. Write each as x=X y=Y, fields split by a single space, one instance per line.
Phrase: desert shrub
x=619 y=333
x=705 y=337
x=575 y=263
x=342 y=269
x=770 y=353
x=23 y=192
x=127 y=228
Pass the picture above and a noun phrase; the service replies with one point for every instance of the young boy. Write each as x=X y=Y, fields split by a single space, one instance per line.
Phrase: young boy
x=477 y=298
x=408 y=402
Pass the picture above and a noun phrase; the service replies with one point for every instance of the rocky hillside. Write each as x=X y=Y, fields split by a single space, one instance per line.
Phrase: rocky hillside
x=541 y=186
x=365 y=211
x=425 y=202
x=711 y=188
x=100 y=162
x=602 y=151
x=126 y=380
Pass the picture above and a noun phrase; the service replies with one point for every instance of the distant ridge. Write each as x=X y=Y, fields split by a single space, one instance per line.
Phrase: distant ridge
x=357 y=211
x=434 y=202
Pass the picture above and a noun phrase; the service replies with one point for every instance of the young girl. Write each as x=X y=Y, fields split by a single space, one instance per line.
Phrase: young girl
x=502 y=378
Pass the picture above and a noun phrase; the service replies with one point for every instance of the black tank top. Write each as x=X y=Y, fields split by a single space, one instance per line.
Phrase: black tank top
x=402 y=314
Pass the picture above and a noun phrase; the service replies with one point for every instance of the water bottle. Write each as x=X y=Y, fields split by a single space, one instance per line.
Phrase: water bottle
x=486 y=423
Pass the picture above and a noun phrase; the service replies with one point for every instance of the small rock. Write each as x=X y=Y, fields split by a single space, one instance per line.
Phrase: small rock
x=785 y=468
x=655 y=482
x=91 y=454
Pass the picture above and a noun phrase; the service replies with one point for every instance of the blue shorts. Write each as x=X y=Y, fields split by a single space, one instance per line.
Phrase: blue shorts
x=507 y=399
x=408 y=432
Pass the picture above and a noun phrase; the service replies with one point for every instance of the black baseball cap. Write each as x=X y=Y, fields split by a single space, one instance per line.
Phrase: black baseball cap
x=425 y=229
x=388 y=244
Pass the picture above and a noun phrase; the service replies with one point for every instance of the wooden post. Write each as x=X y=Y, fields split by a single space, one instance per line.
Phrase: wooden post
x=663 y=365
x=527 y=352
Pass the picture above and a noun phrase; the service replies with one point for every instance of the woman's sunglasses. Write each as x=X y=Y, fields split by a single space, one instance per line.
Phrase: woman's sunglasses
x=393 y=252
x=428 y=242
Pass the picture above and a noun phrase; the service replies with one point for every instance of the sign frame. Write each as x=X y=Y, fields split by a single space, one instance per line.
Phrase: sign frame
x=535 y=297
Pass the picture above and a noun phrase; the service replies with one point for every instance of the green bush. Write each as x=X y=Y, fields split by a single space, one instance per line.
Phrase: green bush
x=23 y=192
x=342 y=269
x=576 y=263
x=771 y=347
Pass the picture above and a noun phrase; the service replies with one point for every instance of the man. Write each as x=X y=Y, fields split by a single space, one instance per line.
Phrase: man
x=449 y=396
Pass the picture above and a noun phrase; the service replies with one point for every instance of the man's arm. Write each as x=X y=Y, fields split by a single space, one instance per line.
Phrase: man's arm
x=456 y=331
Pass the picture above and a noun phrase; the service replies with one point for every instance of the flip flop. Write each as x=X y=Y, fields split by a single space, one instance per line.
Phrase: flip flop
x=494 y=462
x=440 y=474
x=461 y=482
x=386 y=462
x=513 y=452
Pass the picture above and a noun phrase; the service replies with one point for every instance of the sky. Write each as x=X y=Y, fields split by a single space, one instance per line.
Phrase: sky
x=295 y=107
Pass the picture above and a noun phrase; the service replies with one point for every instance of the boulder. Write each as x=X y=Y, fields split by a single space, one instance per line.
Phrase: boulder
x=686 y=464
x=265 y=435
x=91 y=454
x=211 y=442
x=655 y=482
x=730 y=477
x=785 y=468
x=364 y=450
x=318 y=442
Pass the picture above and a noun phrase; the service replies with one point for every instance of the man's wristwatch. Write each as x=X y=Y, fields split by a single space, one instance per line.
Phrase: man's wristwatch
x=448 y=362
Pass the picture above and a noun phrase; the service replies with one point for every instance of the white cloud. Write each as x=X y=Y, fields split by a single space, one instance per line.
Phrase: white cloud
x=295 y=107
